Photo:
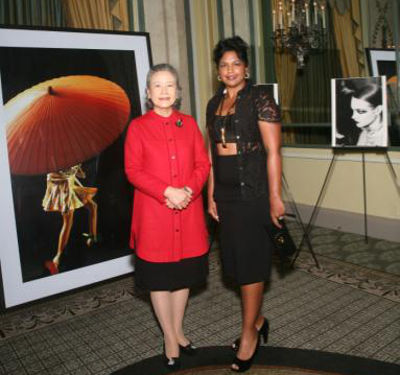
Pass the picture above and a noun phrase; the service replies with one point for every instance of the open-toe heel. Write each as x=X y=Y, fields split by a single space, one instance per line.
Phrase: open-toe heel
x=244 y=365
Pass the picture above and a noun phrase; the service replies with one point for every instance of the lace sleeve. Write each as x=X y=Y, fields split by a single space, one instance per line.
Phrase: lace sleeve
x=267 y=109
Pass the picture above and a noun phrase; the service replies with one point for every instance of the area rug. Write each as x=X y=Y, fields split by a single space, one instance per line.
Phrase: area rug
x=96 y=297
x=269 y=361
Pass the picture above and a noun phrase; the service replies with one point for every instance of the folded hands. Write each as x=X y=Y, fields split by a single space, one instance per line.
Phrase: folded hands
x=178 y=198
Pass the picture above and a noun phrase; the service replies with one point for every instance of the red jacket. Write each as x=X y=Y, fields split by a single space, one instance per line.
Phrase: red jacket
x=160 y=153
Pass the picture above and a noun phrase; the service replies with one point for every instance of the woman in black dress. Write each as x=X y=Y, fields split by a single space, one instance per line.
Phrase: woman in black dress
x=244 y=191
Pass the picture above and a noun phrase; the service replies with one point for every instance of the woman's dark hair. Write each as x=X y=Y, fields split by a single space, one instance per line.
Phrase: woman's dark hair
x=236 y=44
x=164 y=68
x=371 y=91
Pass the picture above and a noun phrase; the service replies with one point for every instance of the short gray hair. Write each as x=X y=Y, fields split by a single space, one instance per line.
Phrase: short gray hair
x=164 y=68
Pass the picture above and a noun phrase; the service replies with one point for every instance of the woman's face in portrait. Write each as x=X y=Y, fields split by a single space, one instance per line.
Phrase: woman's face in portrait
x=162 y=90
x=231 y=69
x=364 y=114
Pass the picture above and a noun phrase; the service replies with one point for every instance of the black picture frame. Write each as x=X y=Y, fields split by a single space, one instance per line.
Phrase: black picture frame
x=381 y=62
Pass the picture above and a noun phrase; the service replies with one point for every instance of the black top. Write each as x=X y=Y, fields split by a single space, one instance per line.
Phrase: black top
x=225 y=122
x=253 y=104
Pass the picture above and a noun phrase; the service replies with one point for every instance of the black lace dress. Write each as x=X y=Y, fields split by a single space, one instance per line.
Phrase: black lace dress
x=242 y=199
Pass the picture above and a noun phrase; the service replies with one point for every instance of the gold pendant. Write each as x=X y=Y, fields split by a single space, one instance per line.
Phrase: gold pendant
x=223 y=139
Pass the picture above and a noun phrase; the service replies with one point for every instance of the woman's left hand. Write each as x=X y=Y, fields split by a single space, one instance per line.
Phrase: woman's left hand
x=169 y=204
x=277 y=210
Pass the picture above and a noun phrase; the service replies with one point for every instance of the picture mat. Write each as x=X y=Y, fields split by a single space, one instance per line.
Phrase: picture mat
x=376 y=55
x=15 y=290
x=334 y=115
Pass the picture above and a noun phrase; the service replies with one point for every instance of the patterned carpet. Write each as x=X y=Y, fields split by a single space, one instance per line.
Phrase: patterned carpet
x=340 y=308
x=376 y=254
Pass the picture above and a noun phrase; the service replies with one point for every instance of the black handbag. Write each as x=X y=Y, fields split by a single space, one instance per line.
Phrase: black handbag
x=283 y=242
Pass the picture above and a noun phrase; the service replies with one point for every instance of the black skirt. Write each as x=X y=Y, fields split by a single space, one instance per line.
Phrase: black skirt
x=246 y=247
x=170 y=276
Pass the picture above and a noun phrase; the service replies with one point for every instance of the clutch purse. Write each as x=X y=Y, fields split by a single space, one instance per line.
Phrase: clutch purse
x=283 y=242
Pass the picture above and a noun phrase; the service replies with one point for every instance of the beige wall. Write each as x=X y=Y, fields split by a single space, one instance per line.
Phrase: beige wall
x=305 y=170
x=203 y=26
x=165 y=22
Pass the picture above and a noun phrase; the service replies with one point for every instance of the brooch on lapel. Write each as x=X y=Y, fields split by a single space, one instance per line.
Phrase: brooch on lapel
x=179 y=123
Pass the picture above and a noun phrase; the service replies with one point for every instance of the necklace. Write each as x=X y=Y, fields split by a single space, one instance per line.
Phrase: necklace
x=223 y=135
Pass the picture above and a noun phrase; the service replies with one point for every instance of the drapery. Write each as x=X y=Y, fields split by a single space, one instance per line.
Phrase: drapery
x=311 y=100
x=348 y=36
x=32 y=13
x=97 y=14
x=285 y=69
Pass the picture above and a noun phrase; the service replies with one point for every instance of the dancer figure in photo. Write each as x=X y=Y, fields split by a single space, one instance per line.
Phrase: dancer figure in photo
x=65 y=194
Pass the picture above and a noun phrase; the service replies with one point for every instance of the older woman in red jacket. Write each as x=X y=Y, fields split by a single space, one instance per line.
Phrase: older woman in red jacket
x=166 y=161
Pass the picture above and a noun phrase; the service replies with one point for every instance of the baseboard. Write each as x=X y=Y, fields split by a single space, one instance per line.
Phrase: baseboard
x=377 y=227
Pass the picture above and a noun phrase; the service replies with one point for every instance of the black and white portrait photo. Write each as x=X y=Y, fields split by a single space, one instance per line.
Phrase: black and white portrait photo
x=359 y=112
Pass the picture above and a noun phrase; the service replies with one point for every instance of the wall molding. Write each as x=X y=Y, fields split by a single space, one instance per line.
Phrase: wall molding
x=327 y=155
x=345 y=221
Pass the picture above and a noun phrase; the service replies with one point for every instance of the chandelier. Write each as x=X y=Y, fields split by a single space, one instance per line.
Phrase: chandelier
x=299 y=27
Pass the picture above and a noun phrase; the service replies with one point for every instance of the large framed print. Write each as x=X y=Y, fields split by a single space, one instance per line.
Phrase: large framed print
x=66 y=99
x=359 y=112
x=381 y=62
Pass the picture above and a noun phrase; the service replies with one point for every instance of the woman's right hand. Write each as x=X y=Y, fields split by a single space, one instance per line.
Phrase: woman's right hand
x=178 y=197
x=212 y=209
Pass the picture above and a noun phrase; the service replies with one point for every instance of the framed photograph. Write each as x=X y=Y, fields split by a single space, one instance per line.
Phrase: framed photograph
x=359 y=112
x=66 y=99
x=383 y=62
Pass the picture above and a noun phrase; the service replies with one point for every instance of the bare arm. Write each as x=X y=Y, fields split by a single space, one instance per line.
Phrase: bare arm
x=271 y=136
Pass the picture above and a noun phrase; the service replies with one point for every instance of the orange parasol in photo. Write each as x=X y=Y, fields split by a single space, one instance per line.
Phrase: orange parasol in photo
x=62 y=122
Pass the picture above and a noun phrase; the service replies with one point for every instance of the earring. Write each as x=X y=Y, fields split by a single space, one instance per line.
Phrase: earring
x=219 y=78
x=247 y=75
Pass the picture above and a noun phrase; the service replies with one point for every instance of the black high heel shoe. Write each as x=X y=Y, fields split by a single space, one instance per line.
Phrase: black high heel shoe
x=244 y=365
x=262 y=332
x=173 y=363
x=188 y=349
